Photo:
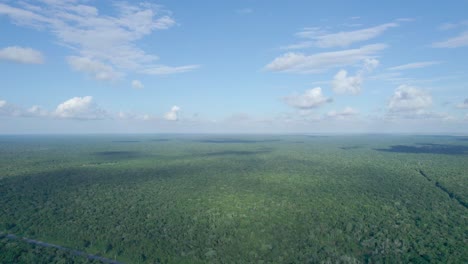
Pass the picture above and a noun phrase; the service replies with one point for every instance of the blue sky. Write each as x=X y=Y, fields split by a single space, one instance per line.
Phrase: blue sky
x=233 y=67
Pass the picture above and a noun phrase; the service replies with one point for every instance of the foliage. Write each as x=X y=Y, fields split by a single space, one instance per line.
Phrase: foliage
x=238 y=199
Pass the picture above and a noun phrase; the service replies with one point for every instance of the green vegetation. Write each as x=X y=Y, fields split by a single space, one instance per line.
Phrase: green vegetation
x=18 y=251
x=236 y=199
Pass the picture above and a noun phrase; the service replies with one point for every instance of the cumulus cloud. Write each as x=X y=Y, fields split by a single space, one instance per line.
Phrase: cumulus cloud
x=172 y=115
x=414 y=65
x=94 y=68
x=7 y=109
x=409 y=99
x=108 y=41
x=370 y=64
x=317 y=37
x=80 y=108
x=464 y=104
x=136 y=84
x=38 y=111
x=309 y=99
x=21 y=55
x=459 y=41
x=342 y=83
x=315 y=63
x=345 y=113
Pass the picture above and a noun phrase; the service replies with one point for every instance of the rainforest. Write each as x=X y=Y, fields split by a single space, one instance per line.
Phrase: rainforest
x=175 y=198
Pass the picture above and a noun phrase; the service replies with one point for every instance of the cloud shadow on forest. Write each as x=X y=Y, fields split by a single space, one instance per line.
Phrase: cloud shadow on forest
x=119 y=155
x=350 y=147
x=237 y=152
x=159 y=140
x=428 y=148
x=233 y=140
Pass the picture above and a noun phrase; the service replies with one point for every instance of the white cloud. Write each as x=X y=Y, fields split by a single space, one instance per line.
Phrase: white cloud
x=21 y=55
x=172 y=115
x=345 y=113
x=448 y=26
x=405 y=19
x=96 y=69
x=11 y=110
x=414 y=65
x=342 y=83
x=80 y=108
x=300 y=63
x=165 y=70
x=420 y=115
x=102 y=38
x=311 y=32
x=455 y=42
x=319 y=38
x=409 y=99
x=164 y=22
x=370 y=64
x=344 y=39
x=299 y=45
x=309 y=99
x=244 y=11
x=37 y=111
x=136 y=84
x=464 y=104
x=7 y=109
x=131 y=116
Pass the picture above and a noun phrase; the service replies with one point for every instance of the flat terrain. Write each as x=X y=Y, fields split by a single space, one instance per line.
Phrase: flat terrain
x=234 y=199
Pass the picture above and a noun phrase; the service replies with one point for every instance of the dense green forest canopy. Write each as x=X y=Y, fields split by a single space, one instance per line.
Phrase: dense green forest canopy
x=235 y=199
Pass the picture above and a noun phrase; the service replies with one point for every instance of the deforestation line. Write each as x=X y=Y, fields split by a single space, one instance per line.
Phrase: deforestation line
x=442 y=188
x=72 y=251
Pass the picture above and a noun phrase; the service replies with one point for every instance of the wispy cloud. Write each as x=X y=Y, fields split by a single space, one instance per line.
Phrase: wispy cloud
x=21 y=55
x=319 y=62
x=94 y=68
x=165 y=70
x=459 y=41
x=450 y=25
x=414 y=65
x=106 y=41
x=463 y=105
x=245 y=11
x=317 y=37
x=405 y=19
